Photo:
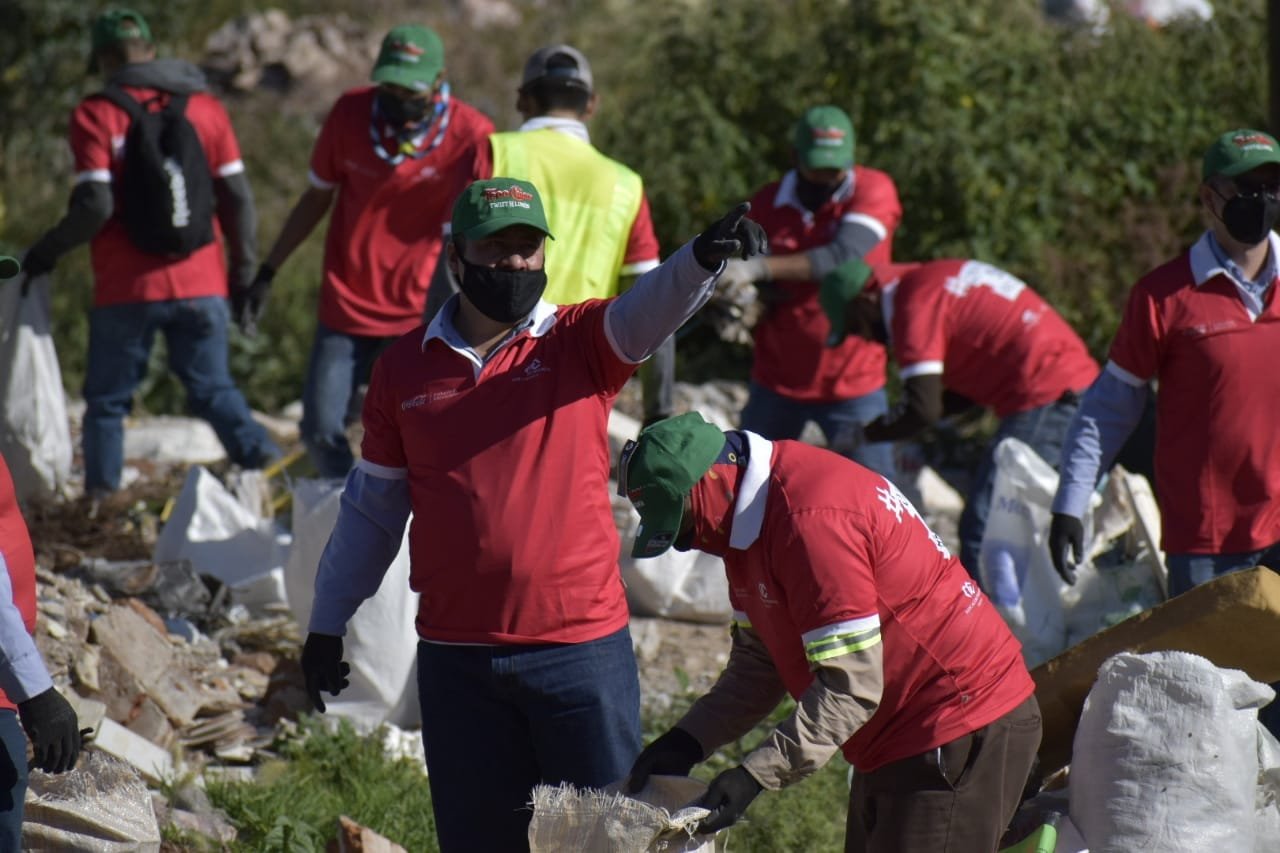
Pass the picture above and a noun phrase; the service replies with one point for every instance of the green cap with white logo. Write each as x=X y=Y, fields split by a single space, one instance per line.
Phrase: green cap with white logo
x=411 y=56
x=1238 y=151
x=824 y=138
x=487 y=207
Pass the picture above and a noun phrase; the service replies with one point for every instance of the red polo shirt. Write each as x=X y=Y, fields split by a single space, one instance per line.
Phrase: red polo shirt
x=838 y=543
x=513 y=538
x=1217 y=458
x=121 y=272
x=15 y=544
x=992 y=338
x=791 y=355
x=387 y=224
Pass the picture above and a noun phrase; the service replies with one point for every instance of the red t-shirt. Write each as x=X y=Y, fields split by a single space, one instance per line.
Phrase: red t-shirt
x=122 y=272
x=642 y=252
x=386 y=227
x=15 y=544
x=992 y=338
x=513 y=538
x=791 y=353
x=1217 y=458
x=839 y=543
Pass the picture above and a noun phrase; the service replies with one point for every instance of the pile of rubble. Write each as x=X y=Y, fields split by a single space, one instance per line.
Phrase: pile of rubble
x=273 y=51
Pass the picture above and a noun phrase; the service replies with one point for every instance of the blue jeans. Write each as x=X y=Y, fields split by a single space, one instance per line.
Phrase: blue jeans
x=195 y=332
x=1042 y=429
x=13 y=781
x=1190 y=570
x=498 y=720
x=339 y=364
x=777 y=417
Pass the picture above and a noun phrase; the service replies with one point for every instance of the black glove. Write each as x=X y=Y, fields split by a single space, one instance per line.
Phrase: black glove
x=672 y=754
x=728 y=797
x=34 y=265
x=248 y=302
x=52 y=728
x=1066 y=534
x=323 y=667
x=731 y=236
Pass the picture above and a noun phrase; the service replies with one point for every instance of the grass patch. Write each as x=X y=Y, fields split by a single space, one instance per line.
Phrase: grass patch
x=293 y=806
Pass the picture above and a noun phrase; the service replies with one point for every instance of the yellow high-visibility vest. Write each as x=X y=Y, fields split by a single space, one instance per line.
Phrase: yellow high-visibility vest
x=590 y=202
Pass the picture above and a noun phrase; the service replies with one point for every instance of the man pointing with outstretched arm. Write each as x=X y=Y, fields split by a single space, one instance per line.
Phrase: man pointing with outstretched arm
x=490 y=426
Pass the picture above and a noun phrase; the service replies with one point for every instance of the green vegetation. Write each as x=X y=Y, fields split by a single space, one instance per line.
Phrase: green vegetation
x=1068 y=157
x=294 y=806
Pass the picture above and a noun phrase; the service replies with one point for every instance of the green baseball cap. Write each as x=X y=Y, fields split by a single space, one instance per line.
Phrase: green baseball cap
x=486 y=207
x=837 y=289
x=824 y=138
x=411 y=56
x=1237 y=151
x=9 y=267
x=113 y=27
x=658 y=469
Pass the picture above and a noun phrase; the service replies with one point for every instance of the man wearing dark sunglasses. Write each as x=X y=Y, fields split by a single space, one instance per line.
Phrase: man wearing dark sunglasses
x=1206 y=328
x=490 y=425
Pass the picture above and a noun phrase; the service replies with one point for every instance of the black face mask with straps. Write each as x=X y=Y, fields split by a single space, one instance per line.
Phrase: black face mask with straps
x=1250 y=217
x=403 y=111
x=505 y=296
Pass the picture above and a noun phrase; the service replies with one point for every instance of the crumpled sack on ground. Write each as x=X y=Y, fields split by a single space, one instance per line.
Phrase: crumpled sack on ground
x=1166 y=757
x=102 y=806
x=658 y=819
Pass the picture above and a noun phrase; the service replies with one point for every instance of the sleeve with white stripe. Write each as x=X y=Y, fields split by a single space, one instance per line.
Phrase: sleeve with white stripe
x=847 y=659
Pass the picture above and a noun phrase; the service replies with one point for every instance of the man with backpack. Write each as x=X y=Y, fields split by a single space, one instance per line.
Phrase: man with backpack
x=159 y=187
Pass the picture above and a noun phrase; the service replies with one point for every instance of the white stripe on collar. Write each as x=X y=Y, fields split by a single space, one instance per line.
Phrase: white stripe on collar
x=539 y=322
x=569 y=126
x=748 y=509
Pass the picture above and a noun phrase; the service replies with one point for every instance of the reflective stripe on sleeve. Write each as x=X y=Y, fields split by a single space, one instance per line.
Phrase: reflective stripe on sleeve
x=842 y=638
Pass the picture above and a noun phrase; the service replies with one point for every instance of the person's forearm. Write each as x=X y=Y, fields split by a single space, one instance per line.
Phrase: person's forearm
x=852 y=240
x=239 y=220
x=302 y=220
x=744 y=694
x=920 y=407
x=1109 y=411
x=660 y=302
x=844 y=693
x=657 y=381
x=88 y=209
x=365 y=539
x=22 y=670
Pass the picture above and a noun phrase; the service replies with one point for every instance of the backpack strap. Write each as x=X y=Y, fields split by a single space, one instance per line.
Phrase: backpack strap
x=123 y=100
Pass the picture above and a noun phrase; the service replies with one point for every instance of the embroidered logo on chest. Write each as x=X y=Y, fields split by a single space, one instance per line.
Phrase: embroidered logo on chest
x=532 y=370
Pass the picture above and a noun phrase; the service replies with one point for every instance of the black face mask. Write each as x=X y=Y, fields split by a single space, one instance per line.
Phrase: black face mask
x=399 y=111
x=813 y=195
x=1249 y=218
x=504 y=296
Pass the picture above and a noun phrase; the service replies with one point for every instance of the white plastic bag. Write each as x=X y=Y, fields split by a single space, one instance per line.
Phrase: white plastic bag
x=35 y=437
x=381 y=643
x=223 y=538
x=1166 y=756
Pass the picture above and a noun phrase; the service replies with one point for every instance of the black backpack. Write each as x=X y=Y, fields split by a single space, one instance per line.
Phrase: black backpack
x=166 y=196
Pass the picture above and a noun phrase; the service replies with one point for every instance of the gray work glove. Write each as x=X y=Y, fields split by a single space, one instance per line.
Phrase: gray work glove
x=51 y=726
x=1066 y=544
x=323 y=667
x=732 y=235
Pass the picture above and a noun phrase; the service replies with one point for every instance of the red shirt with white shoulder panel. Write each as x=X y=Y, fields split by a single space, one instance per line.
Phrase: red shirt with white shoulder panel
x=791 y=353
x=512 y=538
x=991 y=338
x=821 y=544
x=1217 y=458
x=387 y=223
x=123 y=273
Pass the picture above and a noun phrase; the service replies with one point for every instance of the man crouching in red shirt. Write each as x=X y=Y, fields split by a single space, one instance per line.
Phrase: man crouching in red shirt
x=845 y=599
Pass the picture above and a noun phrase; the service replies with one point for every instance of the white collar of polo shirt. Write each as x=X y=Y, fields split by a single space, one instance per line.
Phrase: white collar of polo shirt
x=786 y=196
x=748 y=507
x=567 y=126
